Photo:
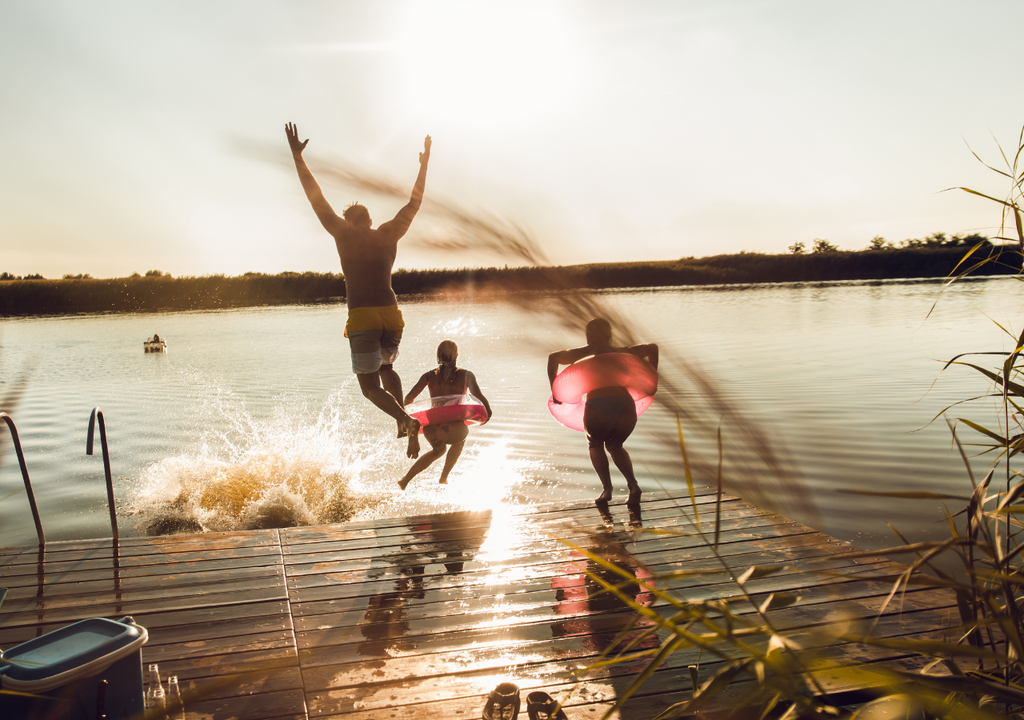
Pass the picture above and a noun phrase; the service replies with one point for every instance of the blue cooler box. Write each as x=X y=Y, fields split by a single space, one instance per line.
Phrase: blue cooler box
x=83 y=670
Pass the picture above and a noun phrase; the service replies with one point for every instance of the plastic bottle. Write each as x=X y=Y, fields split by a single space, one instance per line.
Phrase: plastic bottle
x=156 y=698
x=175 y=706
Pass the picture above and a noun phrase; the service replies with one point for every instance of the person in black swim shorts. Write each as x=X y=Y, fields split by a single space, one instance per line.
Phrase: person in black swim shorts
x=610 y=412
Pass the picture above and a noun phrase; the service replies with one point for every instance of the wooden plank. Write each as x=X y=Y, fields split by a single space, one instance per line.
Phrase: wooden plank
x=280 y=705
x=232 y=627
x=555 y=657
x=531 y=528
x=413 y=625
x=516 y=597
x=165 y=645
x=677 y=552
x=345 y=585
x=234 y=667
x=169 y=583
x=362 y=561
x=185 y=625
x=578 y=508
x=96 y=593
x=157 y=545
x=57 y=571
x=115 y=607
x=419 y=623
x=740 y=529
x=428 y=637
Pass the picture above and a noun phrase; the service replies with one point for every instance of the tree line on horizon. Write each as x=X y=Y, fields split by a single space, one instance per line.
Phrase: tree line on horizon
x=158 y=291
x=818 y=245
x=936 y=239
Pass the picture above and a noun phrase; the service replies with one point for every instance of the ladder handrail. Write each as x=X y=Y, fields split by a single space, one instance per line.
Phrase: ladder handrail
x=24 y=475
x=97 y=413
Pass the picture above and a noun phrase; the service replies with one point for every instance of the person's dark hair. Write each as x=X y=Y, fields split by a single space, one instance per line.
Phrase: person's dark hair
x=599 y=329
x=355 y=211
x=447 y=354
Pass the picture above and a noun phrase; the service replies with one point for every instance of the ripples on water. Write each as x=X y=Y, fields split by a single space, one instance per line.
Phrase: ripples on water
x=253 y=418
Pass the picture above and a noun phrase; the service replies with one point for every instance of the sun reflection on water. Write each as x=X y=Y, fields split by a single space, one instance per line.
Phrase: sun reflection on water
x=460 y=327
x=488 y=475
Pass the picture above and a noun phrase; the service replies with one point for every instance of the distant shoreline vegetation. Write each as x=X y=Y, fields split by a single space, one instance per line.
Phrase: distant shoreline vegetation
x=158 y=291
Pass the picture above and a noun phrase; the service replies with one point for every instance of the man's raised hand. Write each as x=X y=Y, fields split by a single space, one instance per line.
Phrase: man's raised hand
x=293 y=140
x=425 y=155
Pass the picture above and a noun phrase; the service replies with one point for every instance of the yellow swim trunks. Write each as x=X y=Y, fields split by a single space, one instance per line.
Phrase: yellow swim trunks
x=373 y=336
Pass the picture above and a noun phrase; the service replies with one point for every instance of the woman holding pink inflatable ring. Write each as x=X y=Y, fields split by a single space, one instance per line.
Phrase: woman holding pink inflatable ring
x=610 y=413
x=445 y=380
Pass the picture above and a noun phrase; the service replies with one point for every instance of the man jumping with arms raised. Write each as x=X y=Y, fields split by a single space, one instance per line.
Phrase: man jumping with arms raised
x=374 y=327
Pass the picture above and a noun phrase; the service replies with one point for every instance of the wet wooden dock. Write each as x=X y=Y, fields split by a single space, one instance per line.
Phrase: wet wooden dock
x=420 y=617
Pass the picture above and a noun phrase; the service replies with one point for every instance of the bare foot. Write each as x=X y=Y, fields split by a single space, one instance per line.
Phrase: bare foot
x=442 y=481
x=403 y=482
x=603 y=498
x=634 y=496
x=401 y=432
x=413 y=451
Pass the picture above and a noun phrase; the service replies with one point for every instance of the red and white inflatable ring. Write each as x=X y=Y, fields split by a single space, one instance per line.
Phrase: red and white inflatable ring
x=452 y=408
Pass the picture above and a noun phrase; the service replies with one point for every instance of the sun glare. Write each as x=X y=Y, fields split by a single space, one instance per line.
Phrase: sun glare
x=472 y=63
x=239 y=237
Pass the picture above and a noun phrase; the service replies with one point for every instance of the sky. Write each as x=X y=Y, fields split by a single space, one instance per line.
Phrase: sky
x=140 y=136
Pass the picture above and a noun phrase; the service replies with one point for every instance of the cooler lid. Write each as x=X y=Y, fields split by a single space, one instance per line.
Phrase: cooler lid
x=81 y=649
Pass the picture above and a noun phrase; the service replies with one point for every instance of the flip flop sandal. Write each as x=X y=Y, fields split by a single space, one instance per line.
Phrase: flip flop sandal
x=541 y=706
x=503 y=702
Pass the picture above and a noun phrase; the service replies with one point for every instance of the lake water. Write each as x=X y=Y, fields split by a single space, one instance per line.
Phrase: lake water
x=253 y=418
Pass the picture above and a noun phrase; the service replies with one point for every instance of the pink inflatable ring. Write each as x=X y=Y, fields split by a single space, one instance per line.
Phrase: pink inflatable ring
x=452 y=408
x=600 y=371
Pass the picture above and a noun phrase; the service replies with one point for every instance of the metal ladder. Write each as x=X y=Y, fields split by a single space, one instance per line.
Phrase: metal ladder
x=96 y=414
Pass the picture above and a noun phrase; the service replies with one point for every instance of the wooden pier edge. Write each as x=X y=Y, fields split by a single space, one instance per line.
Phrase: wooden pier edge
x=420 y=617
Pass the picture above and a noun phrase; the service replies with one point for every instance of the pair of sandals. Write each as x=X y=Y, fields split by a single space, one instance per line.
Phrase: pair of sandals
x=503 y=704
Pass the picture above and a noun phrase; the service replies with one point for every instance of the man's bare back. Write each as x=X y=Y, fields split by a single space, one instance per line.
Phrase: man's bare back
x=367 y=259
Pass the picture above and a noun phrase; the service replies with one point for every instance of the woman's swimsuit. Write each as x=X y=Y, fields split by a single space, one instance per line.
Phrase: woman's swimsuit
x=451 y=432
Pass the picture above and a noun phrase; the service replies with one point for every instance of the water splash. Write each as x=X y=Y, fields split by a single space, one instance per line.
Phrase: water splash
x=288 y=464
x=286 y=469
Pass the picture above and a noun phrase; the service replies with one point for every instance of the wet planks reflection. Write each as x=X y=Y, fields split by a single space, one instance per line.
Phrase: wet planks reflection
x=423 y=616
